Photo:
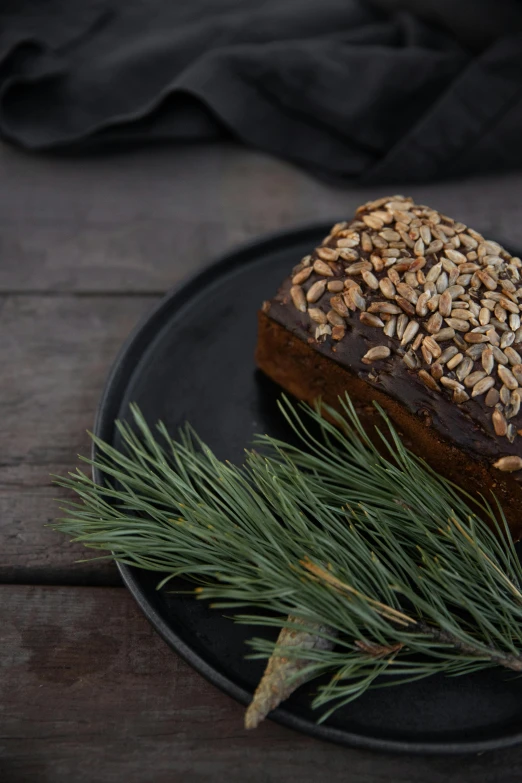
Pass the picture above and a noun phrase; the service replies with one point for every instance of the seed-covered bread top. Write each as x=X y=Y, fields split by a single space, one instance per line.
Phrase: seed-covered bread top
x=425 y=308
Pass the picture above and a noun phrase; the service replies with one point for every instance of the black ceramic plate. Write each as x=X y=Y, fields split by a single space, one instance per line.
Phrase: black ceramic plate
x=192 y=359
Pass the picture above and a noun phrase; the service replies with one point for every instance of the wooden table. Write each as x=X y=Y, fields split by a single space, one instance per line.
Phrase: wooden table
x=88 y=692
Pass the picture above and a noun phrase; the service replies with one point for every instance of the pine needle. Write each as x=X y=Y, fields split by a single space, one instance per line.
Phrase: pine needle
x=407 y=574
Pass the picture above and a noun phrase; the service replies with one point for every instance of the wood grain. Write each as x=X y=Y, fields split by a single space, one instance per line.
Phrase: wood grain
x=55 y=353
x=90 y=693
x=141 y=221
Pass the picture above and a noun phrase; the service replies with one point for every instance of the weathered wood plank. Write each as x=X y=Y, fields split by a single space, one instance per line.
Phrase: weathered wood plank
x=55 y=354
x=141 y=221
x=90 y=693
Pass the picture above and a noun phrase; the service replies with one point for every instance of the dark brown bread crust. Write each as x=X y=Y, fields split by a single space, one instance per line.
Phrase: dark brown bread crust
x=308 y=375
x=310 y=349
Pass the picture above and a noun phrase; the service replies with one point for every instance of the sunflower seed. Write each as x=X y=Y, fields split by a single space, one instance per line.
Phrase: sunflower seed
x=482 y=386
x=455 y=291
x=485 y=277
x=474 y=378
x=436 y=371
x=417 y=342
x=433 y=347
x=458 y=324
x=507 y=339
x=317 y=315
x=338 y=332
x=505 y=395
x=327 y=253
x=371 y=320
x=373 y=222
x=507 y=377
x=410 y=332
x=484 y=316
x=493 y=337
x=358 y=300
x=499 y=423
x=390 y=235
x=410 y=278
x=402 y=322
x=407 y=292
x=389 y=328
x=507 y=304
x=488 y=361
x=500 y=357
x=433 y=303
x=468 y=241
x=428 y=381
x=358 y=267
x=434 y=323
x=370 y=280
x=445 y=334
x=455 y=256
x=517 y=372
x=459 y=342
x=464 y=368
x=434 y=273
x=450 y=383
x=394 y=276
x=434 y=247
x=418 y=247
x=366 y=242
x=475 y=351
x=442 y=282
x=518 y=335
x=298 y=298
x=445 y=303
x=334 y=318
x=513 y=408
x=348 y=242
x=475 y=337
x=425 y=233
x=405 y=305
x=514 y=322
x=508 y=464
x=410 y=360
x=335 y=286
x=454 y=361
x=322 y=268
x=315 y=291
x=384 y=307
x=492 y=397
x=322 y=331
x=302 y=276
x=462 y=313
x=513 y=356
x=448 y=354
x=500 y=313
x=460 y=396
x=375 y=354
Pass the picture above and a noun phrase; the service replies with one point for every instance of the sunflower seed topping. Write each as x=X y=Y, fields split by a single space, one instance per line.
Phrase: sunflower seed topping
x=508 y=464
x=507 y=377
x=316 y=291
x=482 y=386
x=446 y=298
x=375 y=354
x=298 y=298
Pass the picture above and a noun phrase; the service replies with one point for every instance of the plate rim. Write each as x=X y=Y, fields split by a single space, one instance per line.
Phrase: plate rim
x=119 y=372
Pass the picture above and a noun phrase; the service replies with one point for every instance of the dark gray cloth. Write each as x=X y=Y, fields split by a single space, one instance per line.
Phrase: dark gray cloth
x=337 y=86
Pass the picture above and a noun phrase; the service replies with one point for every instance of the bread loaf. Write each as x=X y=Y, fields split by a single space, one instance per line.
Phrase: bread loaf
x=408 y=307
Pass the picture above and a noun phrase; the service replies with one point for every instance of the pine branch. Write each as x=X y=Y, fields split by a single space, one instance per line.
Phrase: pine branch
x=370 y=547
